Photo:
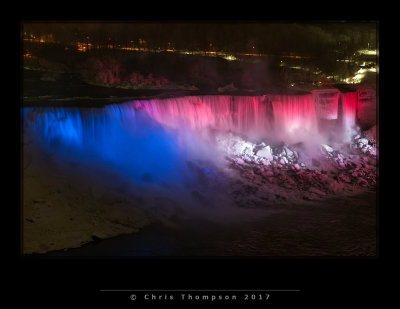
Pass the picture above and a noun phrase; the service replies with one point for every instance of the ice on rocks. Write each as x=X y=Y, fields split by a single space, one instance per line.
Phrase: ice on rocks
x=372 y=151
x=260 y=163
x=290 y=154
x=239 y=148
x=246 y=151
x=266 y=153
x=327 y=148
x=363 y=141
x=239 y=161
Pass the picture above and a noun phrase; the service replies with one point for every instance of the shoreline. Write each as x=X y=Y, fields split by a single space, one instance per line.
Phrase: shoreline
x=237 y=239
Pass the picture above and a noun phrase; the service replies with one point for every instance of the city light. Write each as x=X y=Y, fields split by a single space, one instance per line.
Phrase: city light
x=367 y=51
x=142 y=47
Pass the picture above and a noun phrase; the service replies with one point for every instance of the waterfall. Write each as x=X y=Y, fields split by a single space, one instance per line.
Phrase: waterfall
x=294 y=117
x=349 y=107
x=152 y=140
x=112 y=136
x=291 y=118
x=326 y=103
x=256 y=116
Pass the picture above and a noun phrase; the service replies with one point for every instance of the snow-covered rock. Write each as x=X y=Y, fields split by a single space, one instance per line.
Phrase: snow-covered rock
x=248 y=150
x=266 y=153
x=372 y=151
x=288 y=152
x=239 y=148
x=363 y=142
x=264 y=161
x=327 y=148
x=273 y=164
x=239 y=161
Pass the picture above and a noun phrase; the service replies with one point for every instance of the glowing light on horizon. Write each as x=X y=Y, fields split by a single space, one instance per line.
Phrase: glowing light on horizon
x=230 y=58
x=367 y=51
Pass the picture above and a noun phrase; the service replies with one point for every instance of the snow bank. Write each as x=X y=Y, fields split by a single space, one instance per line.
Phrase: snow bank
x=61 y=212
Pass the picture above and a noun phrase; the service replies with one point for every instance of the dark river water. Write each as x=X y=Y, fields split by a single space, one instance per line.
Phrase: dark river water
x=336 y=227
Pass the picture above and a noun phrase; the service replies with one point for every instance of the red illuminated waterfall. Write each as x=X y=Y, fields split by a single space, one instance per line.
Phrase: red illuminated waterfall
x=349 y=107
x=326 y=103
x=256 y=116
x=289 y=117
x=242 y=114
x=294 y=116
